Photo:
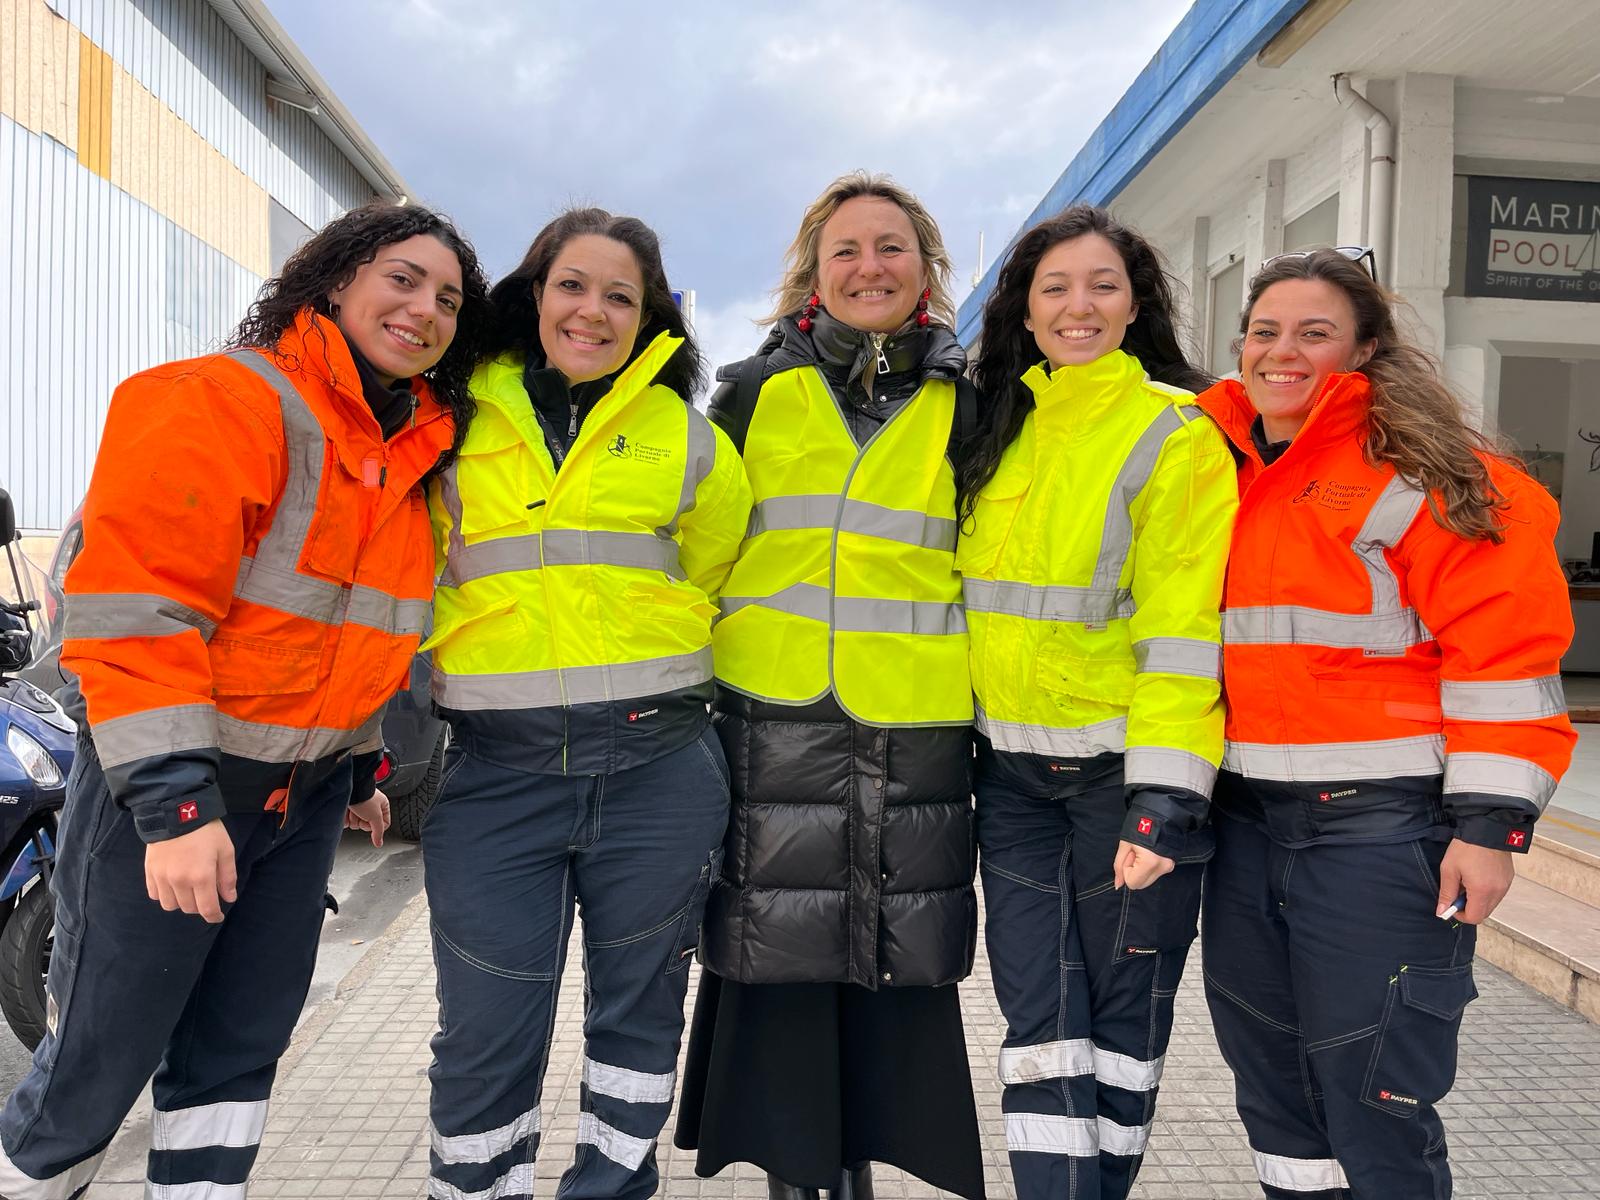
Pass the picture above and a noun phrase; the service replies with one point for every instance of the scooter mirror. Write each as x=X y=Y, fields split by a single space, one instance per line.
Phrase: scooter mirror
x=8 y=519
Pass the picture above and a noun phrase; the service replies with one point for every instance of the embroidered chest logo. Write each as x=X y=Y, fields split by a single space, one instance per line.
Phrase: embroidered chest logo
x=1332 y=495
x=621 y=447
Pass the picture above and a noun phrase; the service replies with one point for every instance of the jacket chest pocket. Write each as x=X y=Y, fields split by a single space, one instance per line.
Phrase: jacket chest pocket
x=983 y=537
x=340 y=521
x=496 y=479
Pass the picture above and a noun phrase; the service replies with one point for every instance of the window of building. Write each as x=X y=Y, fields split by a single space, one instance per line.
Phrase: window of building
x=1318 y=226
x=285 y=233
x=1227 y=301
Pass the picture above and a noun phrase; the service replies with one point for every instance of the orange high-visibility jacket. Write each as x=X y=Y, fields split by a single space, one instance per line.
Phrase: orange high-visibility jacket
x=256 y=572
x=1363 y=640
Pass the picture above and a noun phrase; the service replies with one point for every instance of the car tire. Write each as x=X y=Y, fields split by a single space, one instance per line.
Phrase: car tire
x=407 y=812
x=25 y=945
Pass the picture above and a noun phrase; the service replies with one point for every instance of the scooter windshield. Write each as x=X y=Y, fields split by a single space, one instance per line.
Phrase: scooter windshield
x=22 y=581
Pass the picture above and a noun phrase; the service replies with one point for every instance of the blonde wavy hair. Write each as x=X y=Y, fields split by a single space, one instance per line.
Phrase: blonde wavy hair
x=1415 y=423
x=800 y=261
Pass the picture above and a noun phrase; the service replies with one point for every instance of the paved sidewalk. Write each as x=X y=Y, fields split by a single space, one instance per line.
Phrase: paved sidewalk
x=349 y=1116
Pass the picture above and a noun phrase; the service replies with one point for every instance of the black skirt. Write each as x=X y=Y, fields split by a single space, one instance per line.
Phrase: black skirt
x=802 y=1079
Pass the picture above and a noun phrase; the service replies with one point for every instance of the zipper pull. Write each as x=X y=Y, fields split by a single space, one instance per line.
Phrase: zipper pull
x=572 y=429
x=883 y=359
x=413 y=410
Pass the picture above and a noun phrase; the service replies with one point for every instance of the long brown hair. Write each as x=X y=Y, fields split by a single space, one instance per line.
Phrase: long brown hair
x=800 y=262
x=1415 y=423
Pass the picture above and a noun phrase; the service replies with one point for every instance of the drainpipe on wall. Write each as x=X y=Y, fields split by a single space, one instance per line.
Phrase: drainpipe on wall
x=1380 y=171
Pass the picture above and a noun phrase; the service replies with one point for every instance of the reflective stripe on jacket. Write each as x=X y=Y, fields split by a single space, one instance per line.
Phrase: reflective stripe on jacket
x=846 y=582
x=1093 y=574
x=1363 y=640
x=254 y=577
x=594 y=583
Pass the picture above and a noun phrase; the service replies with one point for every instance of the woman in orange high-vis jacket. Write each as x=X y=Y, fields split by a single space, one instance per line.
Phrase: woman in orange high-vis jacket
x=256 y=570
x=1394 y=622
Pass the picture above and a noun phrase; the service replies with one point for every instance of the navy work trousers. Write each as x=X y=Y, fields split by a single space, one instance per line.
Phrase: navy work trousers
x=1085 y=973
x=507 y=855
x=135 y=990
x=1336 y=995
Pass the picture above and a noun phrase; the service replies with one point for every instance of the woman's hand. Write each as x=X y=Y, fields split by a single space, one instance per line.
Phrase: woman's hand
x=370 y=816
x=1135 y=867
x=194 y=873
x=1483 y=873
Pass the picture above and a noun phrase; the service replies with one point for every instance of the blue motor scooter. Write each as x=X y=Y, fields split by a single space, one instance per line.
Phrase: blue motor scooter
x=36 y=749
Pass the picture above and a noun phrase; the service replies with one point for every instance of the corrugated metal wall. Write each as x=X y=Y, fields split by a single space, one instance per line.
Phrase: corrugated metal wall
x=137 y=158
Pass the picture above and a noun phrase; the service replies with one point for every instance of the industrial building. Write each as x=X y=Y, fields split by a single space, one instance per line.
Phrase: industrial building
x=158 y=160
x=1461 y=141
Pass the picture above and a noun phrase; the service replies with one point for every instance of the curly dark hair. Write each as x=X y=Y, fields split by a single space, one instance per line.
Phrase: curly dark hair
x=1007 y=349
x=329 y=261
x=514 y=324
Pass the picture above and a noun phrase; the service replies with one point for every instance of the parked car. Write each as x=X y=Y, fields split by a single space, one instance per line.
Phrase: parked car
x=414 y=739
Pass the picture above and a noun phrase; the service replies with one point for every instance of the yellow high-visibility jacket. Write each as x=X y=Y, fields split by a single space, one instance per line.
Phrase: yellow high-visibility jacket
x=847 y=582
x=594 y=584
x=1093 y=571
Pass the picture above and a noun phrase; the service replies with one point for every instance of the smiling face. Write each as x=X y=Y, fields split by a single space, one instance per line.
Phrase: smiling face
x=589 y=307
x=1300 y=332
x=870 y=273
x=400 y=310
x=1080 y=302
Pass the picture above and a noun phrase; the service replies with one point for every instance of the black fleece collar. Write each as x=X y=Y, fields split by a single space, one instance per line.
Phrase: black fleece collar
x=391 y=405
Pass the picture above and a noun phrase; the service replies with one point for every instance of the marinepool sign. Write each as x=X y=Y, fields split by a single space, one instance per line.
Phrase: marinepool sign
x=1533 y=239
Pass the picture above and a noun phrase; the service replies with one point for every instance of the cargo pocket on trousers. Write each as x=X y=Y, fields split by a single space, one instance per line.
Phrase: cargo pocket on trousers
x=687 y=940
x=1414 y=1060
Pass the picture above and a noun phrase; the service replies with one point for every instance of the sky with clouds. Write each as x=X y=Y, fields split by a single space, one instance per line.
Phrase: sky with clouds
x=718 y=122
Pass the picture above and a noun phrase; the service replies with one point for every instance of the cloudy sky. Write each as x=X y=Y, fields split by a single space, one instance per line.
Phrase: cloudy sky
x=718 y=122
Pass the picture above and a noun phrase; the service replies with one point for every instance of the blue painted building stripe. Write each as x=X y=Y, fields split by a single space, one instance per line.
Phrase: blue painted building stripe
x=1213 y=41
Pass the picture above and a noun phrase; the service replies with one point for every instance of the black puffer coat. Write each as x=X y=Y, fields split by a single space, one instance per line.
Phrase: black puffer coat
x=850 y=851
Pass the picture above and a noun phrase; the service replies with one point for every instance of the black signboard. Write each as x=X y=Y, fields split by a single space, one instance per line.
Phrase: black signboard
x=1533 y=239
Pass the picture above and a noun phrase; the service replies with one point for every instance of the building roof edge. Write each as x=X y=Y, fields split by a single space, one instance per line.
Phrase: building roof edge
x=1212 y=42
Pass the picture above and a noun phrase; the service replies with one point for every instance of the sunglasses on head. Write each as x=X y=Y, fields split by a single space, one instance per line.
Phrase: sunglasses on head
x=1361 y=255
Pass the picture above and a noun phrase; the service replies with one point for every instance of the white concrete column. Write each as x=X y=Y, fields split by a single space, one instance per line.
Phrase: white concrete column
x=1465 y=368
x=1198 y=278
x=1263 y=219
x=1424 y=190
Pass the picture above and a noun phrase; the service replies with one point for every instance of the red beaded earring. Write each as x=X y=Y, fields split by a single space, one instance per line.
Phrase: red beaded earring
x=922 y=306
x=810 y=311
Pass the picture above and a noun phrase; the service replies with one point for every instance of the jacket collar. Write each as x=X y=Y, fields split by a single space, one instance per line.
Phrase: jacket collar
x=931 y=350
x=1338 y=413
x=499 y=383
x=314 y=346
x=1082 y=389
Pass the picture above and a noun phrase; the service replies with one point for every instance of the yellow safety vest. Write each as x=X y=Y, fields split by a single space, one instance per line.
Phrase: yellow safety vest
x=847 y=581
x=596 y=583
x=1093 y=575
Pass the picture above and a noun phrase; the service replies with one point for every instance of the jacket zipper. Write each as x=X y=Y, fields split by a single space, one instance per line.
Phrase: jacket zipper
x=572 y=428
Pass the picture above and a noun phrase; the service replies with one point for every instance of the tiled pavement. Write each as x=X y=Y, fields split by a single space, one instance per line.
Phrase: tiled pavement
x=349 y=1116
